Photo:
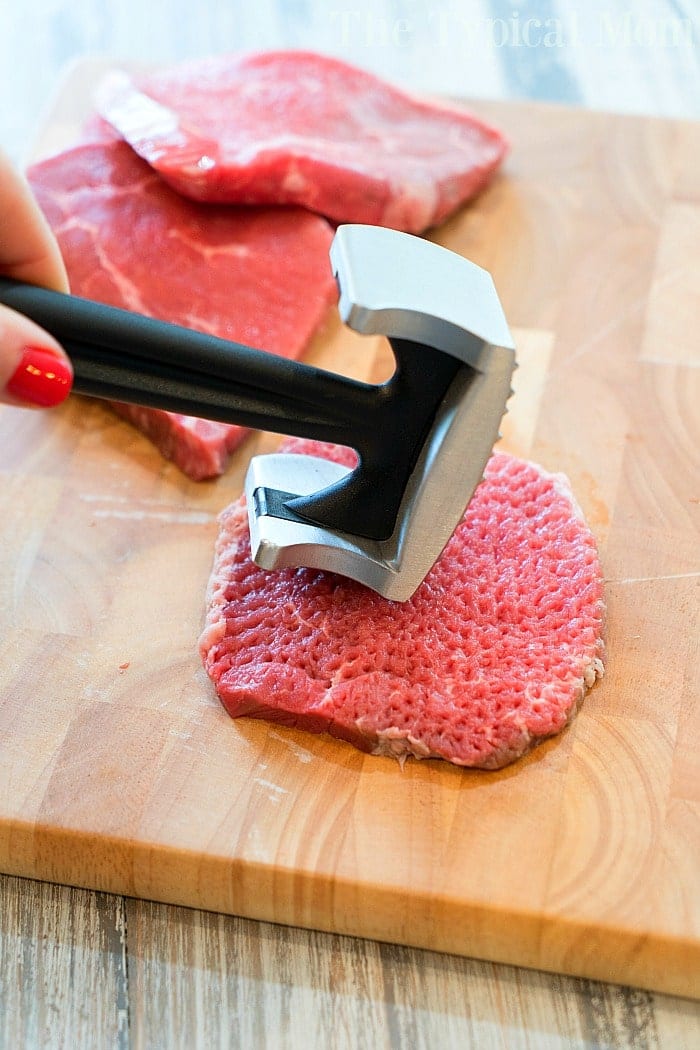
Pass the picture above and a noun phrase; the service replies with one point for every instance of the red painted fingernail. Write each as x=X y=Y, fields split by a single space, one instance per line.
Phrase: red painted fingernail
x=41 y=378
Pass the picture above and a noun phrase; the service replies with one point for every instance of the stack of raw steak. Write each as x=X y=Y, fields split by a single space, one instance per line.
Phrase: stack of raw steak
x=257 y=138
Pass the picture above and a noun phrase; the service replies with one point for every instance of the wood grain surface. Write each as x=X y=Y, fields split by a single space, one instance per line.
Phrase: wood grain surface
x=82 y=969
x=119 y=771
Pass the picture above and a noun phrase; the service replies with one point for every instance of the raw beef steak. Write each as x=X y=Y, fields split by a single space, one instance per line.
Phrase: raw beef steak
x=493 y=653
x=294 y=127
x=259 y=276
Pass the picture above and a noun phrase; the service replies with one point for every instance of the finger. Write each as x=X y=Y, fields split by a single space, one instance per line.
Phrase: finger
x=28 y=249
x=34 y=370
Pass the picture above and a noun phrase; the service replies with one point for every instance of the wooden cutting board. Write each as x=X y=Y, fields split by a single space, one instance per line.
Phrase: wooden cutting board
x=120 y=771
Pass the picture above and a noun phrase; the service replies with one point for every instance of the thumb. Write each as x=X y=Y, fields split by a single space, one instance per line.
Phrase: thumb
x=34 y=370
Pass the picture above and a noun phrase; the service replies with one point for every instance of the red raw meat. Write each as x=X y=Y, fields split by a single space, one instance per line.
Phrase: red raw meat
x=493 y=653
x=294 y=127
x=258 y=276
x=97 y=129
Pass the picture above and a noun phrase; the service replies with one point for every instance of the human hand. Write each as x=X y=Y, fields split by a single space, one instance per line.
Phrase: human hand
x=34 y=370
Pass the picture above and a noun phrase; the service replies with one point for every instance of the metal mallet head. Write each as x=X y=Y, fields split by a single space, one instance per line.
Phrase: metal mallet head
x=423 y=438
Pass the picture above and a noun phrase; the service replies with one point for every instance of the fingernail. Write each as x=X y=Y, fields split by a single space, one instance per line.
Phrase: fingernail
x=42 y=378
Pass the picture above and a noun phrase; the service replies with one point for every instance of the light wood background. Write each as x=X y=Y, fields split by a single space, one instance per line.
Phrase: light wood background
x=90 y=970
x=631 y=57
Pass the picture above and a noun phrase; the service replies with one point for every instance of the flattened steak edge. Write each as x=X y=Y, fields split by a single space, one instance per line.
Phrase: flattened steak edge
x=492 y=654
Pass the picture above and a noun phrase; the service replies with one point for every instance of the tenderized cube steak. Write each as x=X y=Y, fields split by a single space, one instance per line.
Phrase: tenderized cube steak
x=493 y=653
x=258 y=276
x=295 y=127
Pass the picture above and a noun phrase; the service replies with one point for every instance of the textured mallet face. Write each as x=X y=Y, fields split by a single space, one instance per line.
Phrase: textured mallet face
x=493 y=653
